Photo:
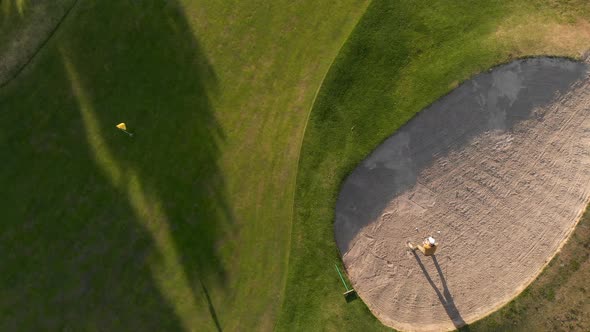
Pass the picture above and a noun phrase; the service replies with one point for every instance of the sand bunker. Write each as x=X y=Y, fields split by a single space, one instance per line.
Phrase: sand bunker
x=500 y=167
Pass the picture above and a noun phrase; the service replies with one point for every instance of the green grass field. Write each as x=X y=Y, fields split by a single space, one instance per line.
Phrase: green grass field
x=24 y=27
x=187 y=224
x=217 y=213
x=401 y=57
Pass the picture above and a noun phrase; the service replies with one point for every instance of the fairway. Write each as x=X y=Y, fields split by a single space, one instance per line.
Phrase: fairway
x=217 y=214
x=185 y=225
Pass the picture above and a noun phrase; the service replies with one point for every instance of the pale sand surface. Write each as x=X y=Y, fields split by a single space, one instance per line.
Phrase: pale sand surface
x=500 y=167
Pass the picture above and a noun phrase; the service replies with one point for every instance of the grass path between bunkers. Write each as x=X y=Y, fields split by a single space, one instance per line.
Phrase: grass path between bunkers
x=401 y=57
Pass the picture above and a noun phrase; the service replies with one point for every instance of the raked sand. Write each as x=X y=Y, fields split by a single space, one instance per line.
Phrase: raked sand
x=498 y=171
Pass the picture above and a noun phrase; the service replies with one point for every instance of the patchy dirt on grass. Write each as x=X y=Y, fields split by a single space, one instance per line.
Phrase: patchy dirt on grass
x=25 y=29
x=497 y=171
x=535 y=35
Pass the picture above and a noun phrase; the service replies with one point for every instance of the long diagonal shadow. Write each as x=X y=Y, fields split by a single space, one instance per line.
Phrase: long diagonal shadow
x=211 y=307
x=445 y=297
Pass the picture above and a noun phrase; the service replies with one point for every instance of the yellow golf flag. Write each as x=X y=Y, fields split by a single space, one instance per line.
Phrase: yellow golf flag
x=122 y=126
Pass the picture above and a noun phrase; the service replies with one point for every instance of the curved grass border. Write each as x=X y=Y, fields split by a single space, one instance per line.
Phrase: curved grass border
x=28 y=58
x=222 y=89
x=399 y=59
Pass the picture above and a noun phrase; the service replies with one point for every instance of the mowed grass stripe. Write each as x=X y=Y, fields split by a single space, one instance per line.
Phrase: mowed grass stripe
x=401 y=57
x=264 y=110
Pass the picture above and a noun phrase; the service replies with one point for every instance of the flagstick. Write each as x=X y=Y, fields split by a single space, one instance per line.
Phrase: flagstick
x=128 y=133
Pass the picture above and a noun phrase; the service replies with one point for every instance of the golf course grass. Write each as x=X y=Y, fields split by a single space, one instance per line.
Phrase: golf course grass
x=24 y=28
x=217 y=213
x=401 y=57
x=185 y=225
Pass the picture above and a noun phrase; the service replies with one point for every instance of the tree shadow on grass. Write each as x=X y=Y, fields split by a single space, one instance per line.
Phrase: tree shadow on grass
x=104 y=231
x=211 y=307
x=25 y=26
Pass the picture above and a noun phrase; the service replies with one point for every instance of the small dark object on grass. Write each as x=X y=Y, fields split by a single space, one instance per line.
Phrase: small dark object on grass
x=350 y=295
